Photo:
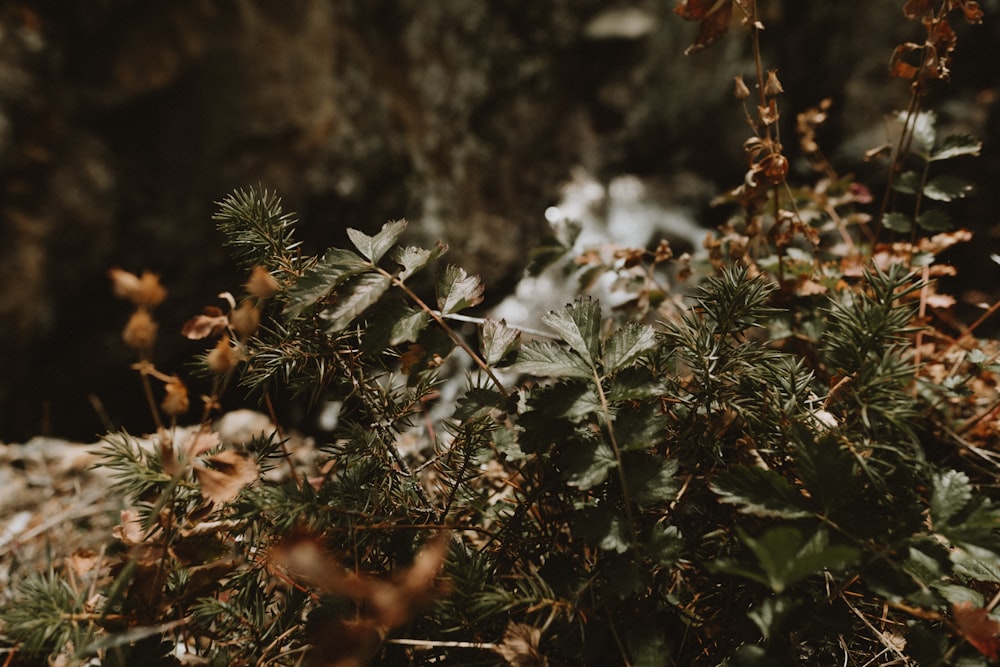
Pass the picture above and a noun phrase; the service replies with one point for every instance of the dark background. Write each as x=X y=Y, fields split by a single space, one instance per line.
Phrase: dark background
x=123 y=121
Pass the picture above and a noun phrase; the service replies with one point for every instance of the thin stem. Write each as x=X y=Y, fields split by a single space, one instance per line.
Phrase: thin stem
x=626 y=495
x=287 y=455
x=436 y=316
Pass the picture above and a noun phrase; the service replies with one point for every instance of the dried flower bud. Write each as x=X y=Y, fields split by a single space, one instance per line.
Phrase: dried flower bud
x=740 y=90
x=772 y=88
x=261 y=283
x=221 y=358
x=142 y=291
x=150 y=292
x=140 y=332
x=176 y=402
x=245 y=320
x=123 y=283
x=775 y=169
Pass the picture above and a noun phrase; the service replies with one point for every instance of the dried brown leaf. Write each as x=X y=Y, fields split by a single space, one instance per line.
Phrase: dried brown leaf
x=245 y=320
x=394 y=602
x=130 y=530
x=915 y=9
x=978 y=628
x=714 y=15
x=520 y=646
x=261 y=283
x=200 y=442
x=211 y=322
x=228 y=474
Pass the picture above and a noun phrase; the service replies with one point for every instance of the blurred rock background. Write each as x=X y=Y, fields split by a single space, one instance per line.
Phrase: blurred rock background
x=122 y=122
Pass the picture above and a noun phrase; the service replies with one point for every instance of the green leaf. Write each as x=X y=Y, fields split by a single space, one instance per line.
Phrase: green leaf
x=651 y=480
x=924 y=132
x=478 y=401
x=947 y=188
x=627 y=344
x=934 y=220
x=640 y=426
x=664 y=545
x=573 y=400
x=785 y=556
x=828 y=473
x=412 y=259
x=391 y=322
x=588 y=463
x=603 y=526
x=547 y=359
x=760 y=492
x=647 y=646
x=457 y=290
x=374 y=247
x=335 y=267
x=950 y=493
x=955 y=145
x=635 y=383
x=769 y=614
x=976 y=564
x=897 y=222
x=908 y=183
x=497 y=340
x=353 y=298
x=579 y=324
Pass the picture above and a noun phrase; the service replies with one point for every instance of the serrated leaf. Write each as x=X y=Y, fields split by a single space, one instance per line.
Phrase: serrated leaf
x=456 y=290
x=897 y=222
x=412 y=259
x=635 y=383
x=335 y=267
x=908 y=183
x=934 y=220
x=391 y=322
x=640 y=426
x=374 y=247
x=651 y=481
x=785 y=556
x=548 y=359
x=579 y=324
x=497 y=340
x=947 y=188
x=353 y=298
x=570 y=400
x=664 y=546
x=588 y=463
x=760 y=492
x=478 y=401
x=955 y=145
x=770 y=612
x=976 y=564
x=627 y=344
x=950 y=493
x=603 y=526
x=407 y=329
x=923 y=131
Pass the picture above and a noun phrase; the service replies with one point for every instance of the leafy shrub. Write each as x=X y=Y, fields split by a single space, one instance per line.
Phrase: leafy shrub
x=794 y=467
